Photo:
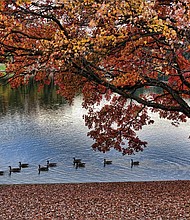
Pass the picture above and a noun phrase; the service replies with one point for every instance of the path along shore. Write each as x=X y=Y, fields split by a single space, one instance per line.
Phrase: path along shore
x=97 y=201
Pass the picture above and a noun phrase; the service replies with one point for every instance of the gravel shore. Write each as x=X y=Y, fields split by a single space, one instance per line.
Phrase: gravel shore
x=96 y=201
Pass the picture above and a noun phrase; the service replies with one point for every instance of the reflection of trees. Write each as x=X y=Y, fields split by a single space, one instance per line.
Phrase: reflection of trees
x=149 y=91
x=27 y=97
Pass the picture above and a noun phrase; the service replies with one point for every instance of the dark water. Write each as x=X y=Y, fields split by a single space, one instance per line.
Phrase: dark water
x=36 y=127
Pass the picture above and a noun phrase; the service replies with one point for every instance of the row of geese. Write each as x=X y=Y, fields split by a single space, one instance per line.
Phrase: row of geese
x=26 y=165
x=79 y=163
x=76 y=162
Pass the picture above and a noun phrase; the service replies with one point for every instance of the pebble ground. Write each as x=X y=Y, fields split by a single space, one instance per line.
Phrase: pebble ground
x=96 y=201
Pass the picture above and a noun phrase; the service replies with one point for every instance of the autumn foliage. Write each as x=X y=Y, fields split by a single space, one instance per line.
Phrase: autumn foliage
x=127 y=58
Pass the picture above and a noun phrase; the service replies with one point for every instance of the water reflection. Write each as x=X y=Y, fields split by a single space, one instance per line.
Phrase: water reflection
x=28 y=98
x=36 y=127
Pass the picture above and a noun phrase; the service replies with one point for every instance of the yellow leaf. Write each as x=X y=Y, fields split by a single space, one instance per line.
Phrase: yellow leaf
x=92 y=23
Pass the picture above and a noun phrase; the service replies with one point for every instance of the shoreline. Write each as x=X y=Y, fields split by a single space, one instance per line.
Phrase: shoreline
x=99 y=200
x=80 y=183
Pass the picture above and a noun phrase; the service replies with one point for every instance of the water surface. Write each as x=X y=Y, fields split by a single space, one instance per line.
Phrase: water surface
x=36 y=127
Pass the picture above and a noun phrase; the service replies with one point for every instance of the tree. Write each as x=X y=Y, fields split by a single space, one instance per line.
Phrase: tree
x=106 y=50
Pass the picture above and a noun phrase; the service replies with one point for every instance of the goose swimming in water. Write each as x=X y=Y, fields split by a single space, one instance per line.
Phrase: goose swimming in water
x=106 y=162
x=75 y=161
x=1 y=173
x=14 y=169
x=23 y=165
x=43 y=168
x=51 y=164
x=134 y=163
x=80 y=164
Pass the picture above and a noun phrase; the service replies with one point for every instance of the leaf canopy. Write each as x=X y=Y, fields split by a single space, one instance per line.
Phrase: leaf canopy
x=133 y=54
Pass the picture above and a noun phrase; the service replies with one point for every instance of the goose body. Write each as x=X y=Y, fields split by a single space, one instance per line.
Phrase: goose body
x=134 y=163
x=106 y=162
x=75 y=161
x=80 y=164
x=1 y=173
x=51 y=164
x=23 y=165
x=43 y=168
x=14 y=169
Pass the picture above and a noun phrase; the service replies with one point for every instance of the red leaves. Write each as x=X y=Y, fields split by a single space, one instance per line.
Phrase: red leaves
x=118 y=47
x=115 y=124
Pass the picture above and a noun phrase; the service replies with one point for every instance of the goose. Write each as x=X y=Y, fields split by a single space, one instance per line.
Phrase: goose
x=14 y=169
x=23 y=165
x=43 y=168
x=133 y=163
x=51 y=164
x=75 y=161
x=106 y=162
x=80 y=164
x=1 y=173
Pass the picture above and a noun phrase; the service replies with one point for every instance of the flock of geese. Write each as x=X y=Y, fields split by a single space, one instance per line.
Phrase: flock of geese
x=77 y=163
x=26 y=165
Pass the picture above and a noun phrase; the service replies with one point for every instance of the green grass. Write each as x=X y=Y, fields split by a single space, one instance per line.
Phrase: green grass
x=2 y=67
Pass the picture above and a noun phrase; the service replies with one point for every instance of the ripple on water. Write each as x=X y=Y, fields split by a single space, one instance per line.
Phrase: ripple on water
x=59 y=135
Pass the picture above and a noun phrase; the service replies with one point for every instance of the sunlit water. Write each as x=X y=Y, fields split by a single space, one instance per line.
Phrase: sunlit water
x=57 y=133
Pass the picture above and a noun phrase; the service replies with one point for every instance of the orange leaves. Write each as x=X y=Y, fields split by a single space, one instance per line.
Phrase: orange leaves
x=69 y=85
x=2 y=5
x=88 y=2
x=20 y=2
x=126 y=79
x=92 y=23
x=79 y=47
x=15 y=82
x=104 y=41
x=99 y=49
x=93 y=94
x=183 y=60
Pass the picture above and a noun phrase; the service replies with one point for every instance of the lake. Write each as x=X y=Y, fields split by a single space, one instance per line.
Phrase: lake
x=36 y=127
